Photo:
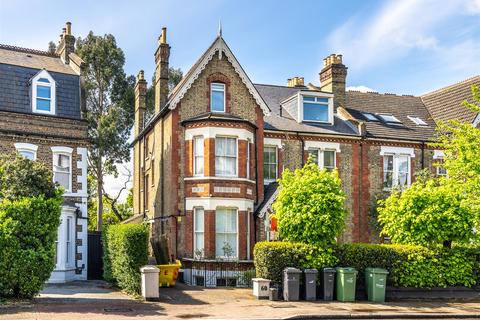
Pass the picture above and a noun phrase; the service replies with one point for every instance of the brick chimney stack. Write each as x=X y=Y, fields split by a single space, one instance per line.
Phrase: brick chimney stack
x=333 y=78
x=140 y=102
x=161 y=71
x=66 y=44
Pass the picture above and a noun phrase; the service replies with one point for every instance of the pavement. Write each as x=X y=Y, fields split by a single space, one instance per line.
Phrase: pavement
x=98 y=300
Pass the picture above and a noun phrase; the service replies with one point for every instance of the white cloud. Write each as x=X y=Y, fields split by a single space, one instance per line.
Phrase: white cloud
x=398 y=28
x=360 y=88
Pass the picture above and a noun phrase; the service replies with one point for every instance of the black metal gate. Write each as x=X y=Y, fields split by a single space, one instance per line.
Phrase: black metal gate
x=95 y=255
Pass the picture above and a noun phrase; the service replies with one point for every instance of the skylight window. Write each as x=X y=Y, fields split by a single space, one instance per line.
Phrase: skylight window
x=389 y=118
x=369 y=116
x=417 y=120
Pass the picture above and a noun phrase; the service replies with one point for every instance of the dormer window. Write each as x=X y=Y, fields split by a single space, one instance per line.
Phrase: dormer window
x=369 y=116
x=315 y=107
x=43 y=93
x=217 y=97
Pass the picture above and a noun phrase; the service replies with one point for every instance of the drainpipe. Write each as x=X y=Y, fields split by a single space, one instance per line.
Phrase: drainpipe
x=248 y=235
x=256 y=185
x=360 y=189
x=78 y=215
x=423 y=155
x=303 y=149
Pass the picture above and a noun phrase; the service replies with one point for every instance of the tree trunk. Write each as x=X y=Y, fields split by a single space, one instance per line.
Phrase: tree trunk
x=99 y=195
x=447 y=244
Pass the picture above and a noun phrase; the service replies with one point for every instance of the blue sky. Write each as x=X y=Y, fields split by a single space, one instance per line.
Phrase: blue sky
x=406 y=47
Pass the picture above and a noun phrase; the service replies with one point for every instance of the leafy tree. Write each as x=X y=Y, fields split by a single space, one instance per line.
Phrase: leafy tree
x=429 y=212
x=110 y=97
x=52 y=47
x=310 y=205
x=21 y=177
x=174 y=77
x=439 y=211
x=29 y=218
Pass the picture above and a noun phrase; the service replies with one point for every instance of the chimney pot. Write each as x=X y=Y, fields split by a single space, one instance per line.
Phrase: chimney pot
x=141 y=75
x=64 y=31
x=68 y=28
x=296 y=82
x=163 y=36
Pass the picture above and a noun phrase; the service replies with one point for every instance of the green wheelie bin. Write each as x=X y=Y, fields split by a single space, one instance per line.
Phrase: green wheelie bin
x=376 y=283
x=346 y=284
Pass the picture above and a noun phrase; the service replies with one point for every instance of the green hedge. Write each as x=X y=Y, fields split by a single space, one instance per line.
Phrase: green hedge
x=409 y=266
x=272 y=257
x=125 y=251
x=28 y=230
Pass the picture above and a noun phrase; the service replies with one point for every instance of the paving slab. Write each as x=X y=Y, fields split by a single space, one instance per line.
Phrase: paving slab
x=98 y=300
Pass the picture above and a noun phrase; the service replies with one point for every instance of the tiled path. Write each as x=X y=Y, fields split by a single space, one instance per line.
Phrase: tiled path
x=95 y=300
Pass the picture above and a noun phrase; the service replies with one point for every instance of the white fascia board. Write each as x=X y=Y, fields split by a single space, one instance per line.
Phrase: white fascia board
x=212 y=132
x=397 y=150
x=212 y=203
x=322 y=145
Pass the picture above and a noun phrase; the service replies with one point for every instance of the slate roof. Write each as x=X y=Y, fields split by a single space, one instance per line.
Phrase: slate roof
x=34 y=59
x=219 y=116
x=280 y=120
x=269 y=195
x=445 y=103
x=399 y=106
x=19 y=65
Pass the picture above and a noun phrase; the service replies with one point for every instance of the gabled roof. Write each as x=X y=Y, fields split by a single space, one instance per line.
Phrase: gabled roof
x=34 y=59
x=220 y=47
x=399 y=106
x=445 y=103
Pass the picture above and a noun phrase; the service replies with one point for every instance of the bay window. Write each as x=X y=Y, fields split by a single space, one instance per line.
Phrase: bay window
x=396 y=170
x=198 y=231
x=269 y=164
x=226 y=233
x=217 y=97
x=198 y=161
x=325 y=159
x=226 y=156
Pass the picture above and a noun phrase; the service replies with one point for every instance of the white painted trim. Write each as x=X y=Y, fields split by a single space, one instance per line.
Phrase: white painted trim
x=330 y=97
x=194 y=230
x=28 y=147
x=236 y=232
x=236 y=158
x=44 y=74
x=211 y=203
x=195 y=156
x=476 y=121
x=322 y=145
x=438 y=154
x=65 y=151
x=212 y=132
x=62 y=150
x=273 y=142
x=397 y=150
x=218 y=178
x=82 y=178
x=221 y=47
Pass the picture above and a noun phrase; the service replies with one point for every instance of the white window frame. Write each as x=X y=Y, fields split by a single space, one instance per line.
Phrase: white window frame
x=68 y=241
x=63 y=151
x=321 y=157
x=385 y=116
x=316 y=95
x=439 y=155
x=418 y=121
x=224 y=96
x=236 y=156
x=27 y=147
x=195 y=156
x=395 y=172
x=267 y=181
x=51 y=85
x=195 y=231
x=236 y=232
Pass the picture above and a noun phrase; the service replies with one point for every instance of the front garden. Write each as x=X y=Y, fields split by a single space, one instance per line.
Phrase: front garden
x=433 y=224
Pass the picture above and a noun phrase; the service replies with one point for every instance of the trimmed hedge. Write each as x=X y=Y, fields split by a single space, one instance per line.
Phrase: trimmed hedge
x=409 y=265
x=28 y=230
x=272 y=257
x=125 y=251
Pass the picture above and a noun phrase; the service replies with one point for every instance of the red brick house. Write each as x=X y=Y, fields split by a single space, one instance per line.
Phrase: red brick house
x=205 y=164
x=41 y=119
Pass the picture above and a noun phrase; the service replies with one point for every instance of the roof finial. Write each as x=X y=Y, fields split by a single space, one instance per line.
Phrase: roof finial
x=219 y=28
